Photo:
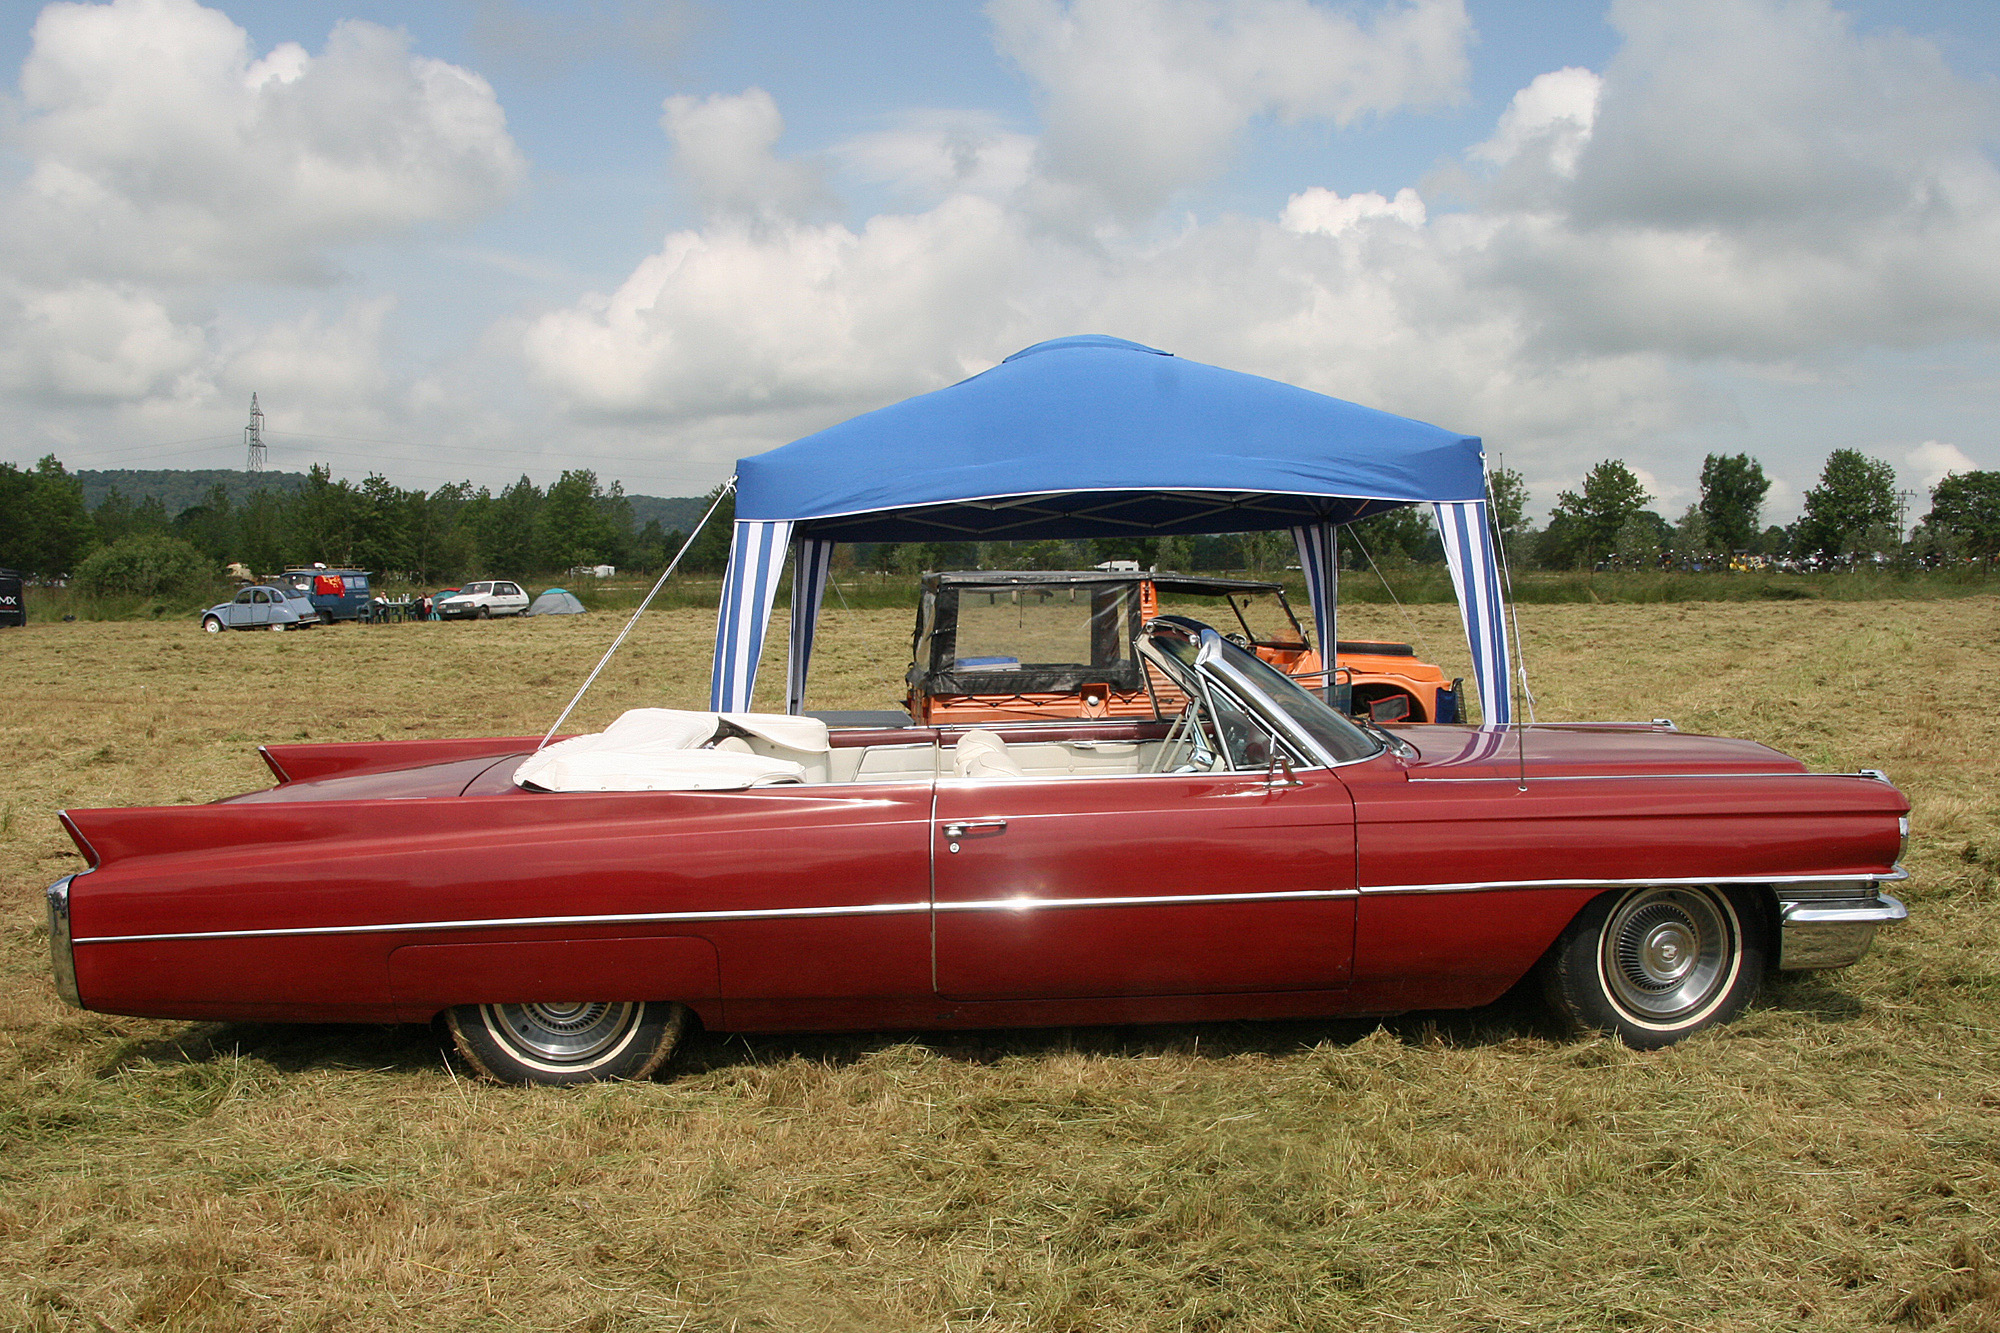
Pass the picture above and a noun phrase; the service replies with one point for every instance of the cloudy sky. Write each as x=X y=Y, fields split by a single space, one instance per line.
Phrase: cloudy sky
x=476 y=238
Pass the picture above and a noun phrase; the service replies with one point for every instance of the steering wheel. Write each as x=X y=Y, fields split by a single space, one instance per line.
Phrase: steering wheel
x=1240 y=640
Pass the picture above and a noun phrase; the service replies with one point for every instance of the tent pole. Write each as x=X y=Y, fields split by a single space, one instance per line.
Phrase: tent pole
x=721 y=495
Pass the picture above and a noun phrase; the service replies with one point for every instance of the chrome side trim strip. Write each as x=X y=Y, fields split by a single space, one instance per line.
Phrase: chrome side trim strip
x=1613 y=777
x=510 y=922
x=62 y=957
x=1025 y=904
x=1861 y=882
x=745 y=914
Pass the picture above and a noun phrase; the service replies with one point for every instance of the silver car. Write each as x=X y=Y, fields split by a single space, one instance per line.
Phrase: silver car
x=261 y=607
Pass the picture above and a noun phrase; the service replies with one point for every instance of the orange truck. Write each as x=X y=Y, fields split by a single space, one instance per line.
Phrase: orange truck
x=997 y=645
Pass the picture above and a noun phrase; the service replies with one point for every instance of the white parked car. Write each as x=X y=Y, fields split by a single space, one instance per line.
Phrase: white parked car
x=483 y=601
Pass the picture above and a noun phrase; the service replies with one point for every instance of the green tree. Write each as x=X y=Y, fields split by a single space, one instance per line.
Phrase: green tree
x=710 y=552
x=44 y=528
x=1508 y=494
x=1692 y=541
x=1852 y=510
x=1640 y=541
x=1394 y=539
x=509 y=539
x=210 y=526
x=1965 y=512
x=321 y=520
x=444 y=537
x=1584 y=525
x=261 y=531
x=573 y=527
x=650 y=550
x=614 y=514
x=147 y=564
x=1733 y=487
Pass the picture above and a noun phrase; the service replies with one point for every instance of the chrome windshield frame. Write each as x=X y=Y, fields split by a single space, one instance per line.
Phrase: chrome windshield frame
x=1215 y=665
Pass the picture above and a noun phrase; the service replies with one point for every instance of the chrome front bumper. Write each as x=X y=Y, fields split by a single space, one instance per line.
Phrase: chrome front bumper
x=1831 y=924
x=61 y=954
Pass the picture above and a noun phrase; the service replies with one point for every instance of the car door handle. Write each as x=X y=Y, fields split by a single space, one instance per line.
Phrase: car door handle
x=972 y=826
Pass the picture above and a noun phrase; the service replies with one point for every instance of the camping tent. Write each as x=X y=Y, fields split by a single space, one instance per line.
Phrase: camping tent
x=555 y=602
x=1099 y=437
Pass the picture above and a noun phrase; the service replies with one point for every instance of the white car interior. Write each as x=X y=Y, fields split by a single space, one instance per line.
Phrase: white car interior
x=667 y=749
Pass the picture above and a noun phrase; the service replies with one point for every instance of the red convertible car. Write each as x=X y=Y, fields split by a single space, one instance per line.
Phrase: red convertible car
x=1254 y=855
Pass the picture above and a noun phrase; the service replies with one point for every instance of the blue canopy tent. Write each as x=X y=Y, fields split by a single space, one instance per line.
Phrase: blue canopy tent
x=1099 y=437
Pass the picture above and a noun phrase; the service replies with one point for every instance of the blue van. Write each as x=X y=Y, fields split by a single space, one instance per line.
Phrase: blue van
x=337 y=594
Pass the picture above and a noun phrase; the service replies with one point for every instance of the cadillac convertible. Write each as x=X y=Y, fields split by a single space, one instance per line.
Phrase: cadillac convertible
x=1244 y=852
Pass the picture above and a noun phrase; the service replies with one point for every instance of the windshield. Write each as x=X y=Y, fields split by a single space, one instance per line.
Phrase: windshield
x=1257 y=682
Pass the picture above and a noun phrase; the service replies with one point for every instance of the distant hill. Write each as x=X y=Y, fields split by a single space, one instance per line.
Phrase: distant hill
x=678 y=514
x=182 y=488
x=179 y=489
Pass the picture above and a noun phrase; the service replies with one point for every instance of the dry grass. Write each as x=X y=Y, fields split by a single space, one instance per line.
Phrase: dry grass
x=1831 y=1161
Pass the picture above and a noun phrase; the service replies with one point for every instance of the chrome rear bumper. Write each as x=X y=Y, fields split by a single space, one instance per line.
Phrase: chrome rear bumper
x=61 y=955
x=1832 y=927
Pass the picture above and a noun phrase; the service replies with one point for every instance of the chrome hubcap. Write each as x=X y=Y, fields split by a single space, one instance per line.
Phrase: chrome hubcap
x=1667 y=952
x=561 y=1031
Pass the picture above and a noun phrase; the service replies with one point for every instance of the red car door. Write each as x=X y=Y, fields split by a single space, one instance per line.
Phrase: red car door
x=1157 y=884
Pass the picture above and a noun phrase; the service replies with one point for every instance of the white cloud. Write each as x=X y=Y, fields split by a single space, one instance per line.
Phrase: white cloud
x=316 y=364
x=1581 y=308
x=164 y=158
x=94 y=342
x=931 y=155
x=1553 y=115
x=1759 y=181
x=723 y=145
x=1321 y=210
x=740 y=319
x=1933 y=460
x=160 y=150
x=1141 y=98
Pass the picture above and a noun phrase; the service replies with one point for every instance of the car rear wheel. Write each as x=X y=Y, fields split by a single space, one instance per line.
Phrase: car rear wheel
x=280 y=626
x=325 y=616
x=211 y=624
x=577 y=1041
x=1651 y=965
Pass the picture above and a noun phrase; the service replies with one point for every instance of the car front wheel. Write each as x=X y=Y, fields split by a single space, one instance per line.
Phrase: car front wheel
x=211 y=624
x=1651 y=965
x=485 y=613
x=567 y=1041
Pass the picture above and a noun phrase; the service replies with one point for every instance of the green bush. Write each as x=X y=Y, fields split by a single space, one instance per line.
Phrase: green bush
x=146 y=565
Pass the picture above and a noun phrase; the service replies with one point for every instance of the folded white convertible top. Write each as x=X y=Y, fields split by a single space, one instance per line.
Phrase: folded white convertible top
x=664 y=749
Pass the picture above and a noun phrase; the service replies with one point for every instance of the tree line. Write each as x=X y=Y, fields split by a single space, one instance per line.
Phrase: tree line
x=422 y=537
x=459 y=531
x=1852 y=515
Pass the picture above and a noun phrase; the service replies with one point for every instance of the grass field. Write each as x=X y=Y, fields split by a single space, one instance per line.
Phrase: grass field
x=1829 y=1161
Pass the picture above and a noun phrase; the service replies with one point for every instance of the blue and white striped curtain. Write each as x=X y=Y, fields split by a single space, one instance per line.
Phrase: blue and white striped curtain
x=1468 y=548
x=756 y=559
x=1319 y=558
x=812 y=559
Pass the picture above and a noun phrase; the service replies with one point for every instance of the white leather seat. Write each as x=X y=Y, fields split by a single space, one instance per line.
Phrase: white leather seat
x=981 y=754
